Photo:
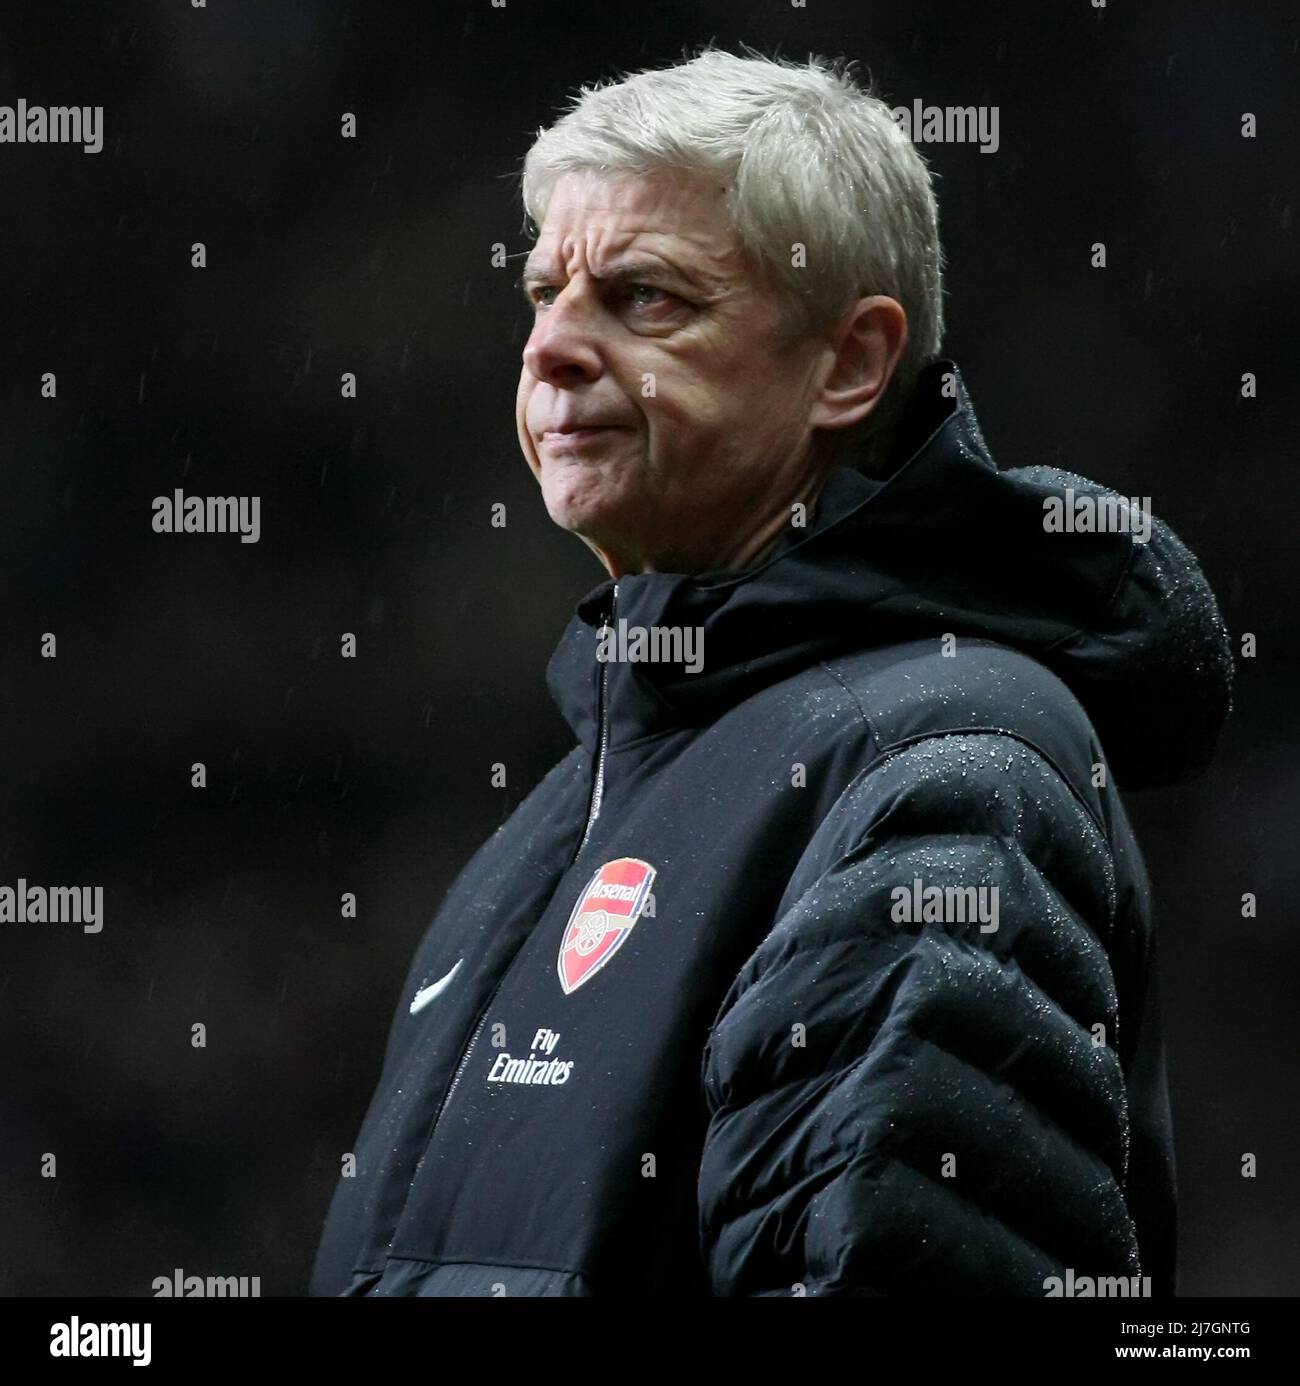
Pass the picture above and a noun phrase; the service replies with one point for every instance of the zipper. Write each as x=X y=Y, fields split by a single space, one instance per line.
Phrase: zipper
x=464 y=1060
x=598 y=785
x=597 y=792
x=446 y=1097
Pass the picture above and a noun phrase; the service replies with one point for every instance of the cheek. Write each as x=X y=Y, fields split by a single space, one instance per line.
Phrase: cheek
x=715 y=436
x=687 y=408
x=711 y=389
x=766 y=399
x=522 y=396
x=697 y=425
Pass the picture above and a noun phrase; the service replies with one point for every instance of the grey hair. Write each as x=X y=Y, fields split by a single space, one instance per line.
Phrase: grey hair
x=809 y=157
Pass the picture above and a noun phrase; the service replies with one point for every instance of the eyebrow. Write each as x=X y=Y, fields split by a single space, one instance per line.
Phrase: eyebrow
x=636 y=271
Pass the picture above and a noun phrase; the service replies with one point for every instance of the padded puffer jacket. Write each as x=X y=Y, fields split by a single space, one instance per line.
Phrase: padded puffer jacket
x=825 y=964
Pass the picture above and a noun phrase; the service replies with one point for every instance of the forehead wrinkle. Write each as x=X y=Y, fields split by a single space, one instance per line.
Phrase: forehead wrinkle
x=683 y=223
x=706 y=269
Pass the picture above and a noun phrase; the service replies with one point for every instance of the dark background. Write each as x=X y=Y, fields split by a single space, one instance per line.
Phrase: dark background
x=372 y=775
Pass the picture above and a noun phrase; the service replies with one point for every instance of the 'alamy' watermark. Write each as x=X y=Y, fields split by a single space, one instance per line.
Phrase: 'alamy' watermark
x=924 y=124
x=72 y=1338
x=182 y=514
x=26 y=904
x=624 y=644
x=1086 y=513
x=178 y=1285
x=923 y=904
x=24 y=124
x=1096 y=1287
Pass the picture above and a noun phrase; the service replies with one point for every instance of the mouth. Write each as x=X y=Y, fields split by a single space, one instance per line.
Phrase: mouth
x=566 y=439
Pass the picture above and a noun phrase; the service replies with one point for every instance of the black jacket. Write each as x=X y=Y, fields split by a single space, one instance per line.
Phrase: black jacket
x=679 y=1027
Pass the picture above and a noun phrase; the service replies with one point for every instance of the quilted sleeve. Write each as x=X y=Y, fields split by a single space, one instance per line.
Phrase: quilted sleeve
x=902 y=1101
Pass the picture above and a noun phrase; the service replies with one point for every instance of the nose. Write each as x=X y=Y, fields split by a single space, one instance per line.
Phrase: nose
x=563 y=347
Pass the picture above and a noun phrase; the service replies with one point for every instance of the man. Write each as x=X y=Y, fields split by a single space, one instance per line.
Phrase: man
x=823 y=964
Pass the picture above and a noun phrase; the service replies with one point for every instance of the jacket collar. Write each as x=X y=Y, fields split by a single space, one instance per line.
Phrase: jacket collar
x=947 y=543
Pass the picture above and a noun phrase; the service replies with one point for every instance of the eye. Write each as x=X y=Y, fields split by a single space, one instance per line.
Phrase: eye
x=633 y=289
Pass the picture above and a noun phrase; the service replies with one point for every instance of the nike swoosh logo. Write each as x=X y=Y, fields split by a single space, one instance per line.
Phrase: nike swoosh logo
x=426 y=994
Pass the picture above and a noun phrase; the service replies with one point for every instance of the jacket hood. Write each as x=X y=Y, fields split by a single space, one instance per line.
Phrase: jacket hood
x=948 y=544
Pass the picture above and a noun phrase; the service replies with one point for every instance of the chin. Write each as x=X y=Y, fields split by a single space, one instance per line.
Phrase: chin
x=580 y=504
x=596 y=527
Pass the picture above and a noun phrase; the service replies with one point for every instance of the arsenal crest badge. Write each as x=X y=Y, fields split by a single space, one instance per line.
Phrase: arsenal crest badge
x=602 y=919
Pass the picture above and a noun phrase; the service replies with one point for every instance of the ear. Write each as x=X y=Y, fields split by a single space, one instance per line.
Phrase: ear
x=866 y=345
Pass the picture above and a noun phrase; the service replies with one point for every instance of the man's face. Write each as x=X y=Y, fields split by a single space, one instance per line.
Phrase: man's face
x=652 y=328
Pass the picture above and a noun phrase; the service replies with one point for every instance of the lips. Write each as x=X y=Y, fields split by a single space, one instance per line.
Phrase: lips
x=574 y=437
